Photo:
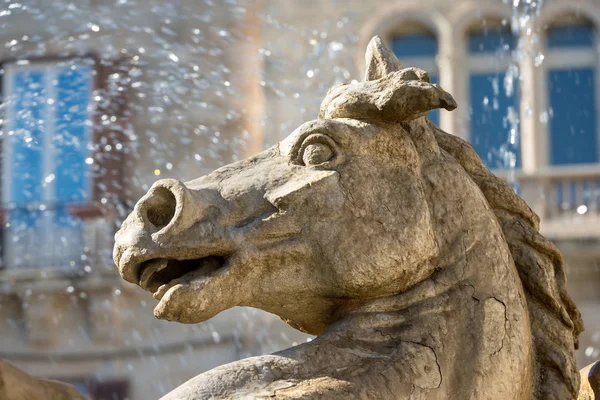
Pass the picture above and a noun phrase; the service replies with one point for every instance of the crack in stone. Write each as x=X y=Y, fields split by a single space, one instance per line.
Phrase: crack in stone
x=436 y=360
x=505 y=326
x=348 y=194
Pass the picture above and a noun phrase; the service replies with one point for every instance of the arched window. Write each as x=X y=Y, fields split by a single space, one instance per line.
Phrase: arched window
x=493 y=94
x=571 y=68
x=417 y=46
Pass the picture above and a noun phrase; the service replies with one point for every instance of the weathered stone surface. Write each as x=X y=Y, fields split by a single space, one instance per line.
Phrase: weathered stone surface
x=590 y=382
x=423 y=275
x=17 y=385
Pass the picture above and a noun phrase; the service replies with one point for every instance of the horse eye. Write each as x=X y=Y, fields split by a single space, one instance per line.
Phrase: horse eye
x=316 y=153
x=318 y=150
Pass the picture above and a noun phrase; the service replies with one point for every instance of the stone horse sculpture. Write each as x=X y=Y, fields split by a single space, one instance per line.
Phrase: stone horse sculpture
x=423 y=274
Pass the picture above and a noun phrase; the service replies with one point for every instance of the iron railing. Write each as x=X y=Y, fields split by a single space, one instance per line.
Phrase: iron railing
x=64 y=237
x=566 y=198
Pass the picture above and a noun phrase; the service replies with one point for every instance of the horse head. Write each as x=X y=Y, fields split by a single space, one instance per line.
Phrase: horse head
x=334 y=212
x=369 y=224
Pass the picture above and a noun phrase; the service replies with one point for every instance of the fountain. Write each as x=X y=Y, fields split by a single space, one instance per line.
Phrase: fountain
x=422 y=273
x=200 y=75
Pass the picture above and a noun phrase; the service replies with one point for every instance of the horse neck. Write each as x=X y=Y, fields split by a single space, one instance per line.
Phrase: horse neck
x=469 y=309
x=473 y=263
x=474 y=274
x=473 y=257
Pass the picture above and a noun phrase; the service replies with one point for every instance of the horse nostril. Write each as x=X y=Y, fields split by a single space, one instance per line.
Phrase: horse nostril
x=160 y=207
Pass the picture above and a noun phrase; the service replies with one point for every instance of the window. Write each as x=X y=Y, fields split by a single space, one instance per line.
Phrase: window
x=46 y=161
x=493 y=95
x=572 y=85
x=418 y=47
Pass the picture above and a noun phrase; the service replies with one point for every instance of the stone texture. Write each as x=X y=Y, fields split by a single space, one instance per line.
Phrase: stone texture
x=590 y=382
x=17 y=385
x=423 y=275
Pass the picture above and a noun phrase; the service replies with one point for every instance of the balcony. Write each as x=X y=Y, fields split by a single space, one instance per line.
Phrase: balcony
x=566 y=198
x=57 y=241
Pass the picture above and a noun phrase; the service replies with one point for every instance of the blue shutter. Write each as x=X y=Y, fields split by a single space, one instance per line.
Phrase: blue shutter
x=573 y=137
x=491 y=41
x=70 y=139
x=572 y=126
x=24 y=148
x=415 y=45
x=27 y=146
x=558 y=37
x=46 y=163
x=490 y=127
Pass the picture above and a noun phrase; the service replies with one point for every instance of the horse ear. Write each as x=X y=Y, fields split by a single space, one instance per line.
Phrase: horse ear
x=388 y=93
x=379 y=60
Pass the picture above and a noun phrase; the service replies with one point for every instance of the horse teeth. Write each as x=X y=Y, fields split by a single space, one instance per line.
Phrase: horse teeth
x=158 y=295
x=150 y=268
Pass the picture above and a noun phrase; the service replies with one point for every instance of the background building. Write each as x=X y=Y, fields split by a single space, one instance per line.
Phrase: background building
x=102 y=98
x=526 y=82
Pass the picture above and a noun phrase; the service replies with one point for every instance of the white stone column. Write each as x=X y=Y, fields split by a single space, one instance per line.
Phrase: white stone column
x=533 y=143
x=249 y=61
x=445 y=67
x=451 y=62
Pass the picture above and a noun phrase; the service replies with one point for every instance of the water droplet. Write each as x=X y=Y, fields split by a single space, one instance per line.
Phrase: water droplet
x=538 y=60
x=589 y=351
x=49 y=178
x=336 y=46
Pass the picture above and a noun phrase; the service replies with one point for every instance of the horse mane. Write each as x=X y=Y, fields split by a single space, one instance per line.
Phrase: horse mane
x=392 y=94
x=555 y=320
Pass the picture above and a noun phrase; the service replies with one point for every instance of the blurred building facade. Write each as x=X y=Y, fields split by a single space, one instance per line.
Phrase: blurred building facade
x=528 y=100
x=100 y=99
x=116 y=94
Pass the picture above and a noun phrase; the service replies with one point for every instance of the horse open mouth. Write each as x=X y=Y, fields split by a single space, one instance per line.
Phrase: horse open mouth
x=160 y=274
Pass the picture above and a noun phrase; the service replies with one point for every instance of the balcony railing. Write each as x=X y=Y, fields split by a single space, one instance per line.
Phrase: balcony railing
x=56 y=238
x=567 y=199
